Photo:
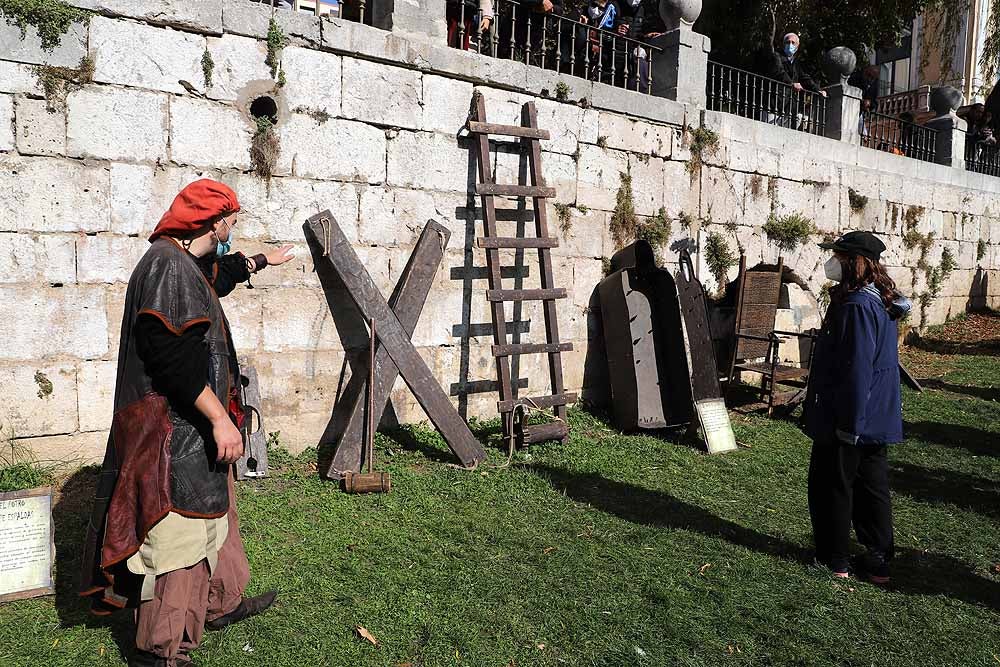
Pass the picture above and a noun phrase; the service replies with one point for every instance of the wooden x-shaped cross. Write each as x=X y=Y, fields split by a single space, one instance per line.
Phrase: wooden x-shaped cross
x=395 y=354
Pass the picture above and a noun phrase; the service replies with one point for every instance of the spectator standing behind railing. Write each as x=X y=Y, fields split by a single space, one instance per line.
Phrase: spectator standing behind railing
x=787 y=68
x=867 y=80
x=525 y=34
x=461 y=23
x=979 y=132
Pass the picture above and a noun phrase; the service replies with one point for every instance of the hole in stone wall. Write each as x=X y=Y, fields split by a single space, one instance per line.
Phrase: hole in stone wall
x=264 y=107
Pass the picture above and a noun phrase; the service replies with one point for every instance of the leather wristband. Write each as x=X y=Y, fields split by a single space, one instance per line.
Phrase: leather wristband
x=260 y=261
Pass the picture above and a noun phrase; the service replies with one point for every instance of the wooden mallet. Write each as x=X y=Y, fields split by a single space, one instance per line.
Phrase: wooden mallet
x=369 y=482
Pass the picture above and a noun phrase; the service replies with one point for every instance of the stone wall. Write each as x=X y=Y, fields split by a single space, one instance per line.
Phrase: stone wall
x=370 y=127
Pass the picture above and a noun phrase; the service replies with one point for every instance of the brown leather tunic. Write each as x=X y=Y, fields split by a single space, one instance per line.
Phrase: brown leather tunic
x=160 y=458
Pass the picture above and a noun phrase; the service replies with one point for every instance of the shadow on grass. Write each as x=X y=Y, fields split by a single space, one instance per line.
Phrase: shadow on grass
x=985 y=393
x=70 y=516
x=973 y=440
x=934 y=485
x=656 y=508
x=914 y=572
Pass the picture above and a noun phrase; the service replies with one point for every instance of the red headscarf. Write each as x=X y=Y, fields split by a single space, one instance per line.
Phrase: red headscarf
x=194 y=207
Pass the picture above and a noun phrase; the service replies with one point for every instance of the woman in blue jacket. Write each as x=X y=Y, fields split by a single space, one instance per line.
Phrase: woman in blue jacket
x=853 y=409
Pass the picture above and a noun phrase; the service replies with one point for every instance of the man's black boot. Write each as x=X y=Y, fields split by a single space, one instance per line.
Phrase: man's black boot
x=248 y=607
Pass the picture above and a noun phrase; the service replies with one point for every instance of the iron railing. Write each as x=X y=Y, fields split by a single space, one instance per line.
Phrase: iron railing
x=351 y=10
x=736 y=91
x=579 y=48
x=982 y=157
x=898 y=136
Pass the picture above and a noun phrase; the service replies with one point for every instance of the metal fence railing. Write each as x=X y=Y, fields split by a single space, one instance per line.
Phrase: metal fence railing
x=982 y=157
x=736 y=91
x=566 y=46
x=351 y=10
x=898 y=136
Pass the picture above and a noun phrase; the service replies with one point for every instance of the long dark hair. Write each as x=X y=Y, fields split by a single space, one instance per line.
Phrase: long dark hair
x=858 y=273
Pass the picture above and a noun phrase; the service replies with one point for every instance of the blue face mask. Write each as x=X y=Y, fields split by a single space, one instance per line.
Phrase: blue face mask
x=224 y=247
x=790 y=49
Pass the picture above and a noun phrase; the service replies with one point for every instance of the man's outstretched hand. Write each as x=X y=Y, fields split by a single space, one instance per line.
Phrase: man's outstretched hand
x=280 y=256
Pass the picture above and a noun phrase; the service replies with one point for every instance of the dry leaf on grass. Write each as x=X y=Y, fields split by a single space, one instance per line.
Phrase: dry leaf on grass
x=701 y=570
x=364 y=634
x=548 y=550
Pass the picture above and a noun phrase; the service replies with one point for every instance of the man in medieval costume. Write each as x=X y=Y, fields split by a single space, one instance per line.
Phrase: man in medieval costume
x=164 y=536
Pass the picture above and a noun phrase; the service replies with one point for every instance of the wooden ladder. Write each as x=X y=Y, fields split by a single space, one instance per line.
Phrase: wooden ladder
x=530 y=135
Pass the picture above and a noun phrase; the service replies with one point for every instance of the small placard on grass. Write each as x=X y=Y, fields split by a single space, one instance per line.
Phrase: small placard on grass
x=715 y=425
x=27 y=545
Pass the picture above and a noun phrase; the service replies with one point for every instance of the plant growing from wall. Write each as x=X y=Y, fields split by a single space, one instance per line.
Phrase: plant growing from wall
x=686 y=220
x=703 y=143
x=602 y=141
x=790 y=231
x=823 y=299
x=51 y=18
x=756 y=186
x=264 y=148
x=57 y=82
x=655 y=229
x=719 y=257
x=564 y=214
x=980 y=250
x=276 y=41
x=562 y=91
x=207 y=67
x=623 y=219
x=912 y=216
x=857 y=201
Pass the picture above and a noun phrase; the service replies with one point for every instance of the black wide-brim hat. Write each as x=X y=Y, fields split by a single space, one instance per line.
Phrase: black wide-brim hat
x=865 y=244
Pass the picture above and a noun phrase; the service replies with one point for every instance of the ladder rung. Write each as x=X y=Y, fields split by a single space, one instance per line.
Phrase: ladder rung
x=530 y=348
x=513 y=190
x=509 y=242
x=537 y=402
x=477 y=127
x=541 y=432
x=525 y=294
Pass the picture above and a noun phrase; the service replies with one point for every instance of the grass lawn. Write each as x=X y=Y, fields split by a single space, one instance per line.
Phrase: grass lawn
x=608 y=550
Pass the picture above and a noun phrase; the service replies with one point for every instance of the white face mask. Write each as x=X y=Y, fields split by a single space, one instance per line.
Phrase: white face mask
x=834 y=270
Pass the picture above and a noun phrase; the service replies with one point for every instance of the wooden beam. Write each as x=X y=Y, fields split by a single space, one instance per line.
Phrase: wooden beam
x=525 y=294
x=476 y=127
x=509 y=242
x=513 y=190
x=530 y=348
x=407 y=302
x=366 y=296
x=537 y=402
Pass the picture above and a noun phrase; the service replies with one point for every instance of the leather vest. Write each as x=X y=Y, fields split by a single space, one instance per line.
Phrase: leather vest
x=161 y=458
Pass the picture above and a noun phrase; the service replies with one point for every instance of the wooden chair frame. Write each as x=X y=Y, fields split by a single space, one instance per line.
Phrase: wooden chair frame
x=771 y=370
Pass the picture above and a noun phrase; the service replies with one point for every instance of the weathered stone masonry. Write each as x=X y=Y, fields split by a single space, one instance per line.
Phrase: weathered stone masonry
x=369 y=126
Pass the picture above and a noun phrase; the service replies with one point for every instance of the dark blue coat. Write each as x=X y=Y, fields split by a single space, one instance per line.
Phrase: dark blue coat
x=854 y=393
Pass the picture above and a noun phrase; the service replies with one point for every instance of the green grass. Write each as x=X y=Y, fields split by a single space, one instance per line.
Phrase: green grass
x=606 y=551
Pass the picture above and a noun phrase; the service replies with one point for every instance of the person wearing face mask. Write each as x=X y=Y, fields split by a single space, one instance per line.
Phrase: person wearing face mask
x=853 y=409
x=787 y=67
x=164 y=536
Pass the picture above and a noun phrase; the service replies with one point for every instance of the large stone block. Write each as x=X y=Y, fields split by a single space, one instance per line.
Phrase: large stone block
x=336 y=149
x=298 y=319
x=18 y=78
x=40 y=130
x=45 y=258
x=399 y=93
x=681 y=190
x=77 y=449
x=28 y=49
x=108 y=259
x=168 y=56
x=599 y=176
x=300 y=382
x=582 y=235
x=430 y=161
x=631 y=134
x=445 y=104
x=398 y=216
x=252 y=19
x=237 y=61
x=201 y=16
x=244 y=309
x=74 y=315
x=313 y=81
x=277 y=211
x=208 y=134
x=565 y=125
x=647 y=183
x=559 y=171
x=34 y=195
x=141 y=194
x=6 y=123
x=116 y=124
x=722 y=194
x=41 y=399
x=97 y=401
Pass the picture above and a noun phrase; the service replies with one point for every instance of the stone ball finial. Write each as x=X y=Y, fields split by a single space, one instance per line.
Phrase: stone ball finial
x=676 y=13
x=838 y=64
x=945 y=99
